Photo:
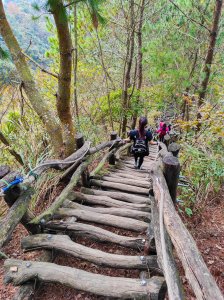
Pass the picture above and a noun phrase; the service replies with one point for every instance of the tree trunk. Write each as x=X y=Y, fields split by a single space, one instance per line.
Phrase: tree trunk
x=37 y=101
x=139 y=61
x=75 y=62
x=210 y=53
x=107 y=76
x=64 y=80
x=127 y=68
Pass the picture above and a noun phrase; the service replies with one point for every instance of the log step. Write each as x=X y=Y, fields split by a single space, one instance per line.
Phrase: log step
x=97 y=233
x=118 y=195
x=120 y=187
x=64 y=244
x=133 y=172
x=106 y=219
x=123 y=212
x=106 y=201
x=122 y=288
x=133 y=182
x=129 y=176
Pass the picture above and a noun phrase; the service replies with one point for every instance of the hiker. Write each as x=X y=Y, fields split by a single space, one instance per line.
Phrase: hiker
x=141 y=138
x=162 y=131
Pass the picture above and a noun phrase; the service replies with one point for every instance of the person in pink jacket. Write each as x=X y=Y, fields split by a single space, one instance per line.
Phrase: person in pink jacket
x=162 y=131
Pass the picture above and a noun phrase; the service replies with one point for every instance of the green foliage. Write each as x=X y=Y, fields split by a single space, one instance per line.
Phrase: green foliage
x=25 y=135
x=204 y=168
x=4 y=54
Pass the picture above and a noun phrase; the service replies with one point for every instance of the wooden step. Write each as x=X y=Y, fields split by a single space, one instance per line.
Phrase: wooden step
x=97 y=233
x=64 y=244
x=118 y=195
x=120 y=187
x=106 y=201
x=106 y=219
x=129 y=176
x=127 y=181
x=18 y=272
x=123 y=212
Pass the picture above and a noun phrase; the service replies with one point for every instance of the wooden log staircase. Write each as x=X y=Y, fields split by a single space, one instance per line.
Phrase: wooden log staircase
x=114 y=199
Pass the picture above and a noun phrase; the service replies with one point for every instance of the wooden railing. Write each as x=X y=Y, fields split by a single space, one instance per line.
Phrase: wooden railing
x=74 y=166
x=170 y=233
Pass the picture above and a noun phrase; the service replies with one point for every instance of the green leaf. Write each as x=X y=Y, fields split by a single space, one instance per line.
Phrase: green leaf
x=188 y=211
x=4 y=54
x=35 y=6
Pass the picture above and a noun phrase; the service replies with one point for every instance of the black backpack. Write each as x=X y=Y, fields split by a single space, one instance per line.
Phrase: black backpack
x=140 y=146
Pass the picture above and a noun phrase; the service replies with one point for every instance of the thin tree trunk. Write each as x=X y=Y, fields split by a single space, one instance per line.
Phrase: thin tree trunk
x=128 y=65
x=64 y=81
x=139 y=60
x=210 y=53
x=75 y=62
x=37 y=101
x=107 y=76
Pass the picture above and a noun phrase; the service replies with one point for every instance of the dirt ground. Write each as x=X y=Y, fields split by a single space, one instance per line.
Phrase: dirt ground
x=206 y=228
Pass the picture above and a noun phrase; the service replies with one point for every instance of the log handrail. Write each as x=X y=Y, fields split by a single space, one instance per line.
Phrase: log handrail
x=196 y=271
x=76 y=163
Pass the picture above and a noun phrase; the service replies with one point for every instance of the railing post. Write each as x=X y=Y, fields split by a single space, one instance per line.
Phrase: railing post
x=85 y=175
x=171 y=170
x=113 y=136
x=167 y=140
x=79 y=140
x=174 y=148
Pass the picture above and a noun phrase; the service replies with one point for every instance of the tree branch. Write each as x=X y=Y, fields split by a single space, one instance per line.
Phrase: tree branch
x=39 y=66
x=189 y=18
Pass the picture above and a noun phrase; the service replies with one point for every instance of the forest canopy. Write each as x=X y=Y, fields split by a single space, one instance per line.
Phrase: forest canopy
x=95 y=66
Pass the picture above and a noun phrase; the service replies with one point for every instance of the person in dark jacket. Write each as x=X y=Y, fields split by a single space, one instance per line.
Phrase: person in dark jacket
x=141 y=138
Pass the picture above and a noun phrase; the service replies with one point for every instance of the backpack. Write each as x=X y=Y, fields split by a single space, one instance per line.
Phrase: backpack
x=140 y=146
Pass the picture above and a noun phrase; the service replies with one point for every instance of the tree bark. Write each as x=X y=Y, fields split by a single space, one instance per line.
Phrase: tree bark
x=210 y=53
x=75 y=62
x=64 y=80
x=139 y=61
x=38 y=103
x=127 y=68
